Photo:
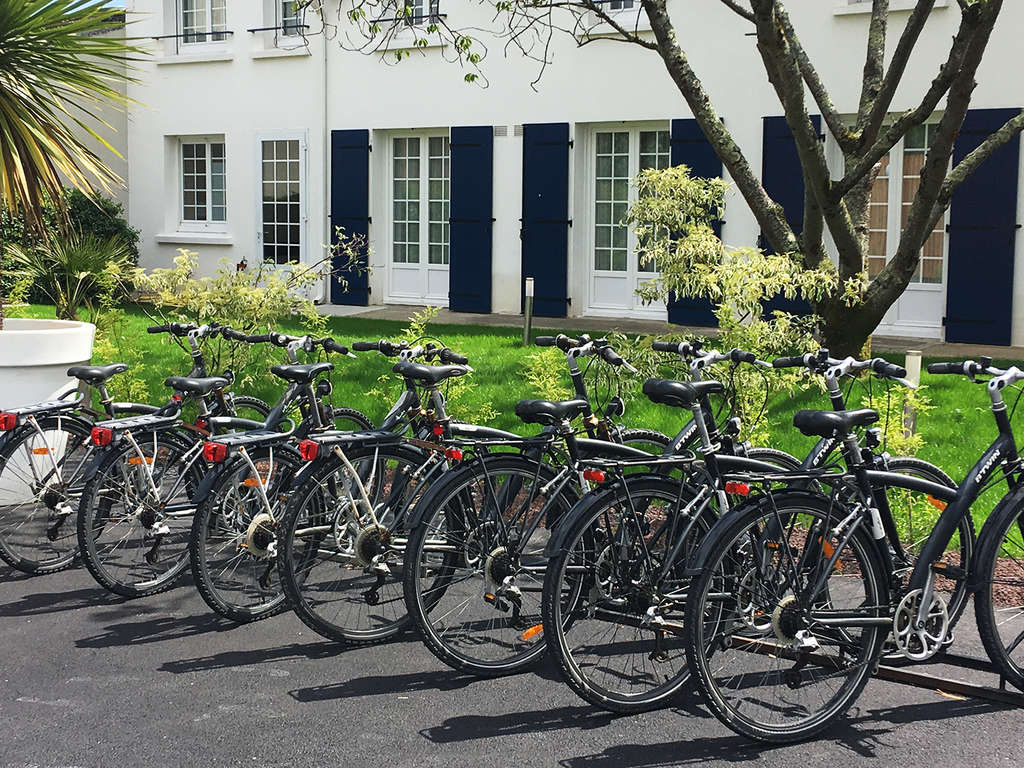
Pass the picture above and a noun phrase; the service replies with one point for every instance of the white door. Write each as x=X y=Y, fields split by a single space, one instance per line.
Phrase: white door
x=919 y=311
x=420 y=207
x=616 y=273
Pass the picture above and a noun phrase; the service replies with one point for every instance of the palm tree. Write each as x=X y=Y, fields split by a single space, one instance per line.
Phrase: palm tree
x=57 y=74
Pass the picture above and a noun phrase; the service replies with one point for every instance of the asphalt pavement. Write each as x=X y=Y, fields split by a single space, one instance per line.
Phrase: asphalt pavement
x=90 y=680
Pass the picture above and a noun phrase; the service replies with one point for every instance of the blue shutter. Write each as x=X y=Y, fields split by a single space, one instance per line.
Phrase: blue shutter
x=545 y=232
x=691 y=148
x=472 y=175
x=783 y=180
x=982 y=236
x=350 y=208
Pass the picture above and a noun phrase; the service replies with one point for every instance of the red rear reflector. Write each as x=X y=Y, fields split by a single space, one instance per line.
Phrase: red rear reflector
x=176 y=398
x=102 y=436
x=439 y=429
x=309 y=450
x=453 y=454
x=8 y=421
x=593 y=475
x=740 y=489
x=200 y=423
x=215 y=452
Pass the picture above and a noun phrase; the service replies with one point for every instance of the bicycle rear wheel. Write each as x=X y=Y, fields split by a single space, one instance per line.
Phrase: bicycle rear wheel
x=41 y=479
x=615 y=591
x=233 y=543
x=341 y=567
x=136 y=513
x=786 y=619
x=475 y=565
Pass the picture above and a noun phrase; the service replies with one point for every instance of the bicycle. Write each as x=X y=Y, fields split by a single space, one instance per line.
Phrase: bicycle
x=798 y=590
x=233 y=542
x=477 y=537
x=135 y=509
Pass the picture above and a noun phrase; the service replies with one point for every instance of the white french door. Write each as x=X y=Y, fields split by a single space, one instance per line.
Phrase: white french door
x=420 y=184
x=617 y=154
x=919 y=311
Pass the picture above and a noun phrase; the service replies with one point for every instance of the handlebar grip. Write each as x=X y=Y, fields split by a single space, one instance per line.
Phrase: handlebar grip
x=887 y=369
x=565 y=343
x=742 y=356
x=611 y=357
x=665 y=346
x=945 y=367
x=231 y=333
x=365 y=346
x=544 y=341
x=332 y=346
x=159 y=329
x=263 y=338
x=788 y=362
x=453 y=358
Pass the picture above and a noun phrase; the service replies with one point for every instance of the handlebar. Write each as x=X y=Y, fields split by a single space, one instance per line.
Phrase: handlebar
x=563 y=342
x=682 y=348
x=385 y=347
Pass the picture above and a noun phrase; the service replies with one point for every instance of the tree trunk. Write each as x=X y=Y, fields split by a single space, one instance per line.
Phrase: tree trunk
x=847 y=330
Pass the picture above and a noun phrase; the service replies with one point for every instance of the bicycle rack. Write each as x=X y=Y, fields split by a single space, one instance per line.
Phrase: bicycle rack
x=909 y=676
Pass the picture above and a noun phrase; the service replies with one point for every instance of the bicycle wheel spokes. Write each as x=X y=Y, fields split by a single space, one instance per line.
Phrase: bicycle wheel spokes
x=135 y=516
x=1000 y=599
x=621 y=591
x=786 y=621
x=234 y=538
x=40 y=483
x=341 y=565
x=479 y=561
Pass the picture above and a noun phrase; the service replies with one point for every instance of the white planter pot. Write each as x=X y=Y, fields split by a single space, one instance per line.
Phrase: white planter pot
x=35 y=356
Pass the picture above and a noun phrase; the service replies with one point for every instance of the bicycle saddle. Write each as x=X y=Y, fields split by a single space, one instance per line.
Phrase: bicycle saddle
x=196 y=386
x=549 y=413
x=429 y=374
x=301 y=373
x=680 y=394
x=96 y=374
x=833 y=423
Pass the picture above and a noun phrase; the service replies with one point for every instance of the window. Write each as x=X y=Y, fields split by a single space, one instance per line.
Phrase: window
x=621 y=5
x=422 y=12
x=289 y=17
x=203 y=21
x=421 y=173
x=203 y=187
x=904 y=163
x=281 y=165
x=615 y=168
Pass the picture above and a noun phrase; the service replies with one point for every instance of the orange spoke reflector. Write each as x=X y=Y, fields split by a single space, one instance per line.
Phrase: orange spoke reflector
x=939 y=504
x=533 y=631
x=138 y=461
x=252 y=482
x=40 y=451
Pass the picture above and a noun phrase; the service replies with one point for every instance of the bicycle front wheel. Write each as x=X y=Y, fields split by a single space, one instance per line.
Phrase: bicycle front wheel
x=787 y=617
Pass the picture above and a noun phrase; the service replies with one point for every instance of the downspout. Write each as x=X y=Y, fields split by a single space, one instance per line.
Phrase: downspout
x=326 y=163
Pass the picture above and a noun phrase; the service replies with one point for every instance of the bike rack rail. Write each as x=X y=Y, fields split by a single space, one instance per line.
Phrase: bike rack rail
x=909 y=676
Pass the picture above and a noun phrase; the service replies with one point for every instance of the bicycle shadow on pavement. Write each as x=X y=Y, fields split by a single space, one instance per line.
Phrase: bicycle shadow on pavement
x=160 y=628
x=863 y=734
x=249 y=658
x=42 y=603
x=432 y=681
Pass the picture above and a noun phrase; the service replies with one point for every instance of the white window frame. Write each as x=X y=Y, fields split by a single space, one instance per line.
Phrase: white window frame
x=630 y=19
x=209 y=225
x=895 y=218
x=208 y=41
x=284 y=135
x=279 y=21
x=635 y=128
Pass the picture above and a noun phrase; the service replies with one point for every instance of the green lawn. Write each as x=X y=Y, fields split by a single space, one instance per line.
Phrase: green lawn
x=955 y=432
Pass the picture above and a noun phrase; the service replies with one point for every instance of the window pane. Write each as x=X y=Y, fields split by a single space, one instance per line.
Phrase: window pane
x=611 y=192
x=193 y=181
x=439 y=203
x=282 y=227
x=915 y=146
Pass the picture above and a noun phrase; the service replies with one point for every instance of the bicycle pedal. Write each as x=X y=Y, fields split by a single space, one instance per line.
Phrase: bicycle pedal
x=496 y=601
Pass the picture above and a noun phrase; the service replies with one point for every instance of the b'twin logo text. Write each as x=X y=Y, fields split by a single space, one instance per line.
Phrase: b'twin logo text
x=985 y=468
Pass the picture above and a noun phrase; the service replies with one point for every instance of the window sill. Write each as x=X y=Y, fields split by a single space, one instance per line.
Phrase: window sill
x=196 y=238
x=282 y=53
x=863 y=9
x=406 y=41
x=193 y=58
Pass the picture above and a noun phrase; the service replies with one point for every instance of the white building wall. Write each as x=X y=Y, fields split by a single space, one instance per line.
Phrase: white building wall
x=241 y=95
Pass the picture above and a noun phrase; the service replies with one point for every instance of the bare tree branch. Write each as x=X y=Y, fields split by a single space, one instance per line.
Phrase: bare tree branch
x=833 y=119
x=874 y=61
x=738 y=9
x=897 y=68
